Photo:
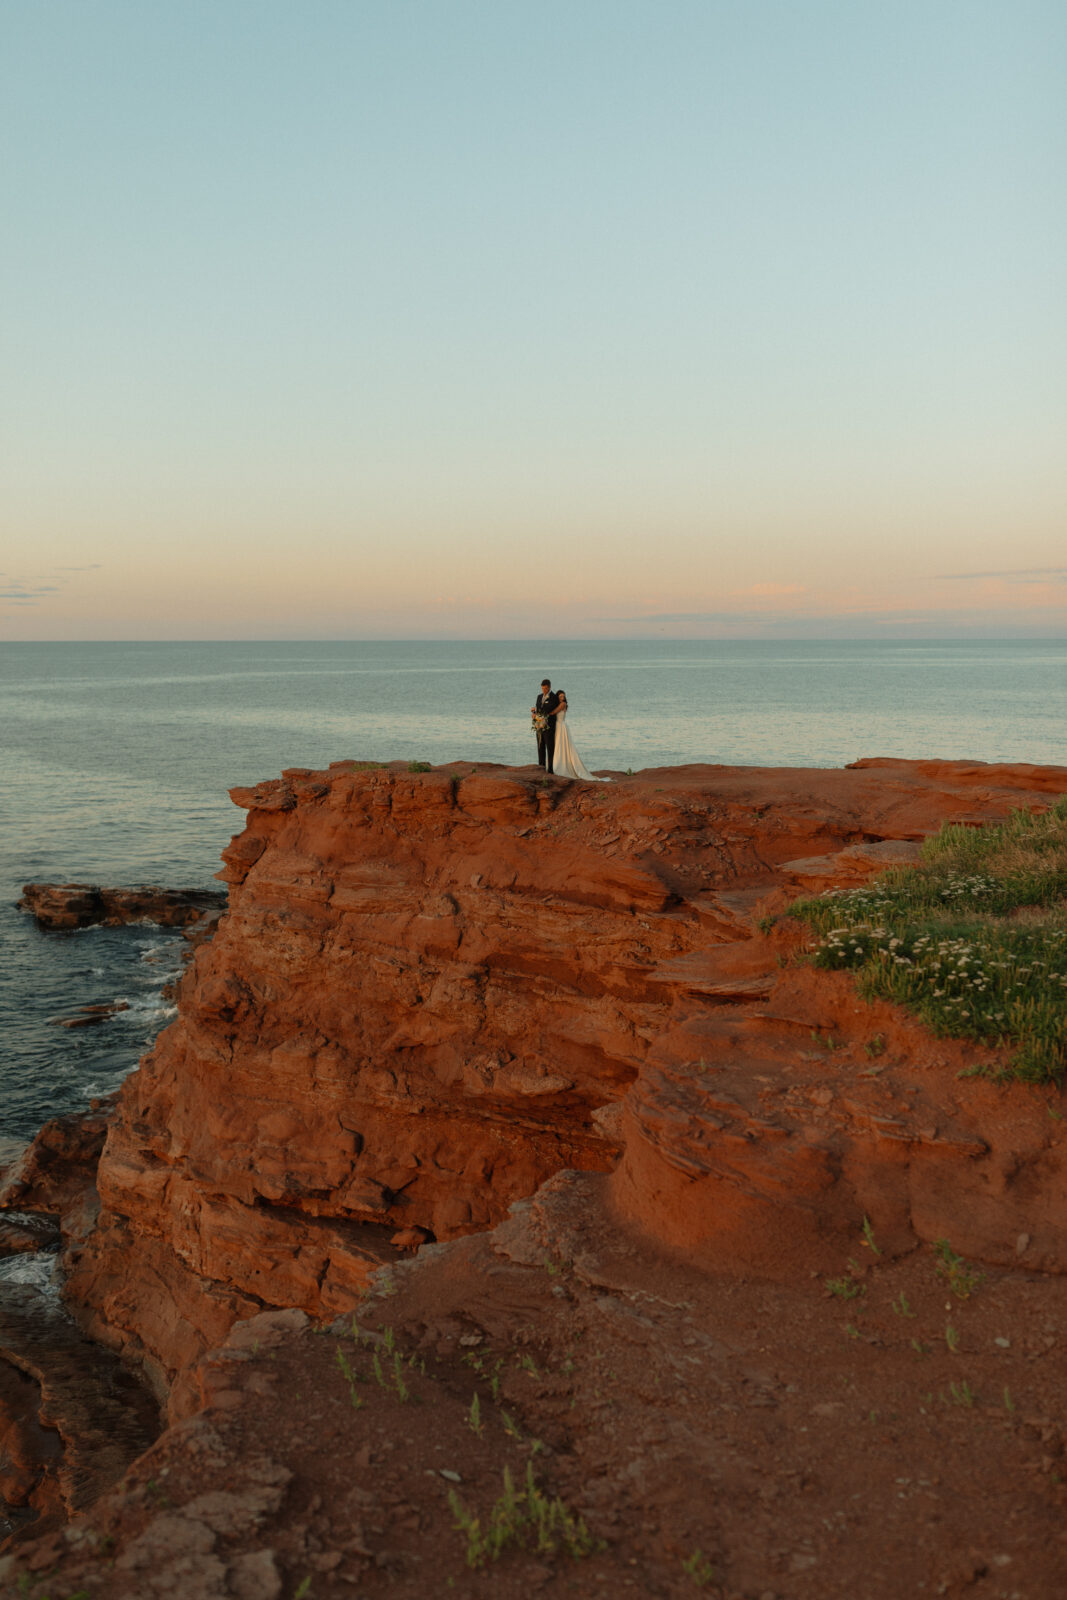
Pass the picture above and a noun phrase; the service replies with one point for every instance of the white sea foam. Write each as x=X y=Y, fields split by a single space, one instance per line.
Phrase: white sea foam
x=39 y=1271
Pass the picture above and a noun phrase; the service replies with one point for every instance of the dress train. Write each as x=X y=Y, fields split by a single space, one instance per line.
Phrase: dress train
x=566 y=762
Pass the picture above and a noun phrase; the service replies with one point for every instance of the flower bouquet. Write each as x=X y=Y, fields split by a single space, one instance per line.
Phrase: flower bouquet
x=540 y=722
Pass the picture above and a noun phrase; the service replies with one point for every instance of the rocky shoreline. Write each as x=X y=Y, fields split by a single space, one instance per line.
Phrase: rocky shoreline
x=65 y=906
x=548 y=1037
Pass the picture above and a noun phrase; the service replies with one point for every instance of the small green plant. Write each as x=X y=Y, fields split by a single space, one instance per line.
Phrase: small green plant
x=868 y=1237
x=524 y=1519
x=764 y=924
x=901 y=1306
x=303 y=1589
x=511 y=1428
x=845 y=1288
x=959 y=1277
x=875 y=1047
x=952 y=1338
x=350 y=1378
x=1009 y=1403
x=403 y=1393
x=474 y=1416
x=419 y=766
x=393 y=1380
x=823 y=1041
x=920 y=1348
x=961 y=1394
x=699 y=1569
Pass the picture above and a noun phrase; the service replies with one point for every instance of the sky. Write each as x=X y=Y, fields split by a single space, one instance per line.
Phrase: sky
x=533 y=318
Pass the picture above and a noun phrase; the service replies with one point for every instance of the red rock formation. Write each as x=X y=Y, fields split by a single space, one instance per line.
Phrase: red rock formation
x=433 y=991
x=57 y=1171
x=82 y=905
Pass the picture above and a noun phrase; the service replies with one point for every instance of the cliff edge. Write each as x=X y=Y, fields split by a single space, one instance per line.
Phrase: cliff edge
x=434 y=990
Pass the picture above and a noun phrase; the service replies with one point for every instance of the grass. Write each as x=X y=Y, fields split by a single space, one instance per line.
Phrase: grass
x=524 y=1519
x=699 y=1569
x=973 y=940
x=845 y=1288
x=388 y=1374
x=351 y=1378
x=960 y=1278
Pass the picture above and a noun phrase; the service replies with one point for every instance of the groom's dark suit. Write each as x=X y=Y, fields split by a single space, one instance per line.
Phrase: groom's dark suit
x=546 y=742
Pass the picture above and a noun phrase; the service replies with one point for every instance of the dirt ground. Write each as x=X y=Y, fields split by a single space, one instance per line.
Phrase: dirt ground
x=900 y=1432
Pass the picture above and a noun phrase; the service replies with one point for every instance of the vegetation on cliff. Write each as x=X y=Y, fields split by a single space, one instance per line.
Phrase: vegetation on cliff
x=973 y=940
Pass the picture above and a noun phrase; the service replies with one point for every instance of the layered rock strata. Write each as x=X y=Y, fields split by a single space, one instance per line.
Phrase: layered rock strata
x=432 y=991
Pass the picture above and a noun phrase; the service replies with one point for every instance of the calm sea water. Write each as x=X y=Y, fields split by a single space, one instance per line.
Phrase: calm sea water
x=117 y=759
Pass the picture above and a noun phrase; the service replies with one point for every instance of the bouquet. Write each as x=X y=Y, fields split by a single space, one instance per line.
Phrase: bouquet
x=540 y=723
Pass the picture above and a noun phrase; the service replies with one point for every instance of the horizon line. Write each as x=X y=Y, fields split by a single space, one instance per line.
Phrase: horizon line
x=622 y=638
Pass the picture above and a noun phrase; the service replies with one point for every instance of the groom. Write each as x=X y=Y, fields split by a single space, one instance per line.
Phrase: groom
x=546 y=738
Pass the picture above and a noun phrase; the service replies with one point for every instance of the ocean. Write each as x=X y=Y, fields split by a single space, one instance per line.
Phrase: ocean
x=117 y=759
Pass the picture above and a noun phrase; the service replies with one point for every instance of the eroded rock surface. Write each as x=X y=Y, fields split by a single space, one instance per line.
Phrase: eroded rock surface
x=432 y=991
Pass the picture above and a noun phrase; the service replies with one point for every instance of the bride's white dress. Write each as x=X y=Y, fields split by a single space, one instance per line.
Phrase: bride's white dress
x=566 y=762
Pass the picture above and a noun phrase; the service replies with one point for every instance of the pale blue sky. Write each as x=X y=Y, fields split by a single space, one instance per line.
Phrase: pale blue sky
x=488 y=318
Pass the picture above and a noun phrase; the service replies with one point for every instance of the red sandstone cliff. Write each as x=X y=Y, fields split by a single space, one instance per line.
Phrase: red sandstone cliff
x=431 y=992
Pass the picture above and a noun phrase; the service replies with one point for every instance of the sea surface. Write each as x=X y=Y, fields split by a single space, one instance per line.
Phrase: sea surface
x=117 y=758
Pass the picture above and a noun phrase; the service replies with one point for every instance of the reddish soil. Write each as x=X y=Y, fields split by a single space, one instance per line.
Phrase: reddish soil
x=807 y=1447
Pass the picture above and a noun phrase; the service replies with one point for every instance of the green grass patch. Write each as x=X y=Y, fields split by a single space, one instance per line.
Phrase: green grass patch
x=973 y=940
x=524 y=1519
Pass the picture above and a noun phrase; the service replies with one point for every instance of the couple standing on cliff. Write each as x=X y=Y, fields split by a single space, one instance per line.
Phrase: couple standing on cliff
x=555 y=747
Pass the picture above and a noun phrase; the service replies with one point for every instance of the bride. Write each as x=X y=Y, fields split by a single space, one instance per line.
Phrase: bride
x=566 y=762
